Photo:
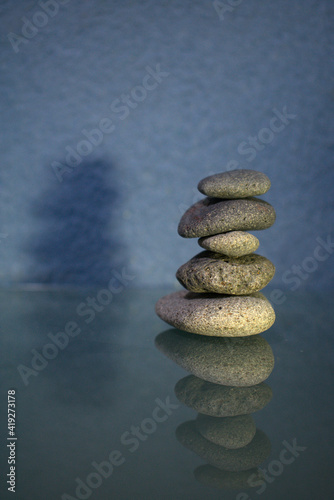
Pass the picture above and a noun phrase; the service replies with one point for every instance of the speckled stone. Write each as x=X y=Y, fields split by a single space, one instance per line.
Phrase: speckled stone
x=220 y=479
x=235 y=184
x=245 y=458
x=241 y=362
x=213 y=216
x=220 y=400
x=216 y=315
x=230 y=432
x=233 y=244
x=217 y=273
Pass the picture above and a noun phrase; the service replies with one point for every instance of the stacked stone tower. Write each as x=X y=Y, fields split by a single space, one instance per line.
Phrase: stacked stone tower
x=218 y=318
x=222 y=283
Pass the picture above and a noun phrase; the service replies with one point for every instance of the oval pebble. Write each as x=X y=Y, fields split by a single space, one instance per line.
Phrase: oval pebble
x=217 y=273
x=233 y=243
x=235 y=184
x=213 y=216
x=216 y=315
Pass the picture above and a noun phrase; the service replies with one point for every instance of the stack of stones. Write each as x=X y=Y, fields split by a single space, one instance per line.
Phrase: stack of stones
x=218 y=318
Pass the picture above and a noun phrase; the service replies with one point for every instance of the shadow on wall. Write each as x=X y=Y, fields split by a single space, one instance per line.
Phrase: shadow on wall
x=76 y=243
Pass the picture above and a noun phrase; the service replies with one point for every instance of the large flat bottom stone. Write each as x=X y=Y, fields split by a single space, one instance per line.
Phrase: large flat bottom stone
x=215 y=314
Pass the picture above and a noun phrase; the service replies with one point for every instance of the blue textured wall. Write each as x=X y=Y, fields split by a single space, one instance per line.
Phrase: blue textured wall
x=226 y=73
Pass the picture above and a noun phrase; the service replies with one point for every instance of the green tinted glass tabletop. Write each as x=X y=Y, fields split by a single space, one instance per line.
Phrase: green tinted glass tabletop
x=96 y=413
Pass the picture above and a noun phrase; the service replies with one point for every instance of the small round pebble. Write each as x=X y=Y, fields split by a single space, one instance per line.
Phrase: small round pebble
x=235 y=184
x=241 y=362
x=213 y=216
x=216 y=315
x=217 y=273
x=220 y=479
x=233 y=244
x=248 y=457
x=220 y=400
x=230 y=432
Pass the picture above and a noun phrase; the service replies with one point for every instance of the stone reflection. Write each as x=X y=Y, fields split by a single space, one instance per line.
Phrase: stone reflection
x=218 y=319
x=226 y=480
x=221 y=400
x=233 y=460
x=224 y=433
x=241 y=361
x=230 y=432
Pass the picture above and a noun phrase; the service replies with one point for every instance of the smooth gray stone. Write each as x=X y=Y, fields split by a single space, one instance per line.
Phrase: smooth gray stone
x=217 y=273
x=246 y=458
x=220 y=479
x=216 y=315
x=230 y=432
x=213 y=216
x=220 y=400
x=235 y=184
x=233 y=243
x=242 y=361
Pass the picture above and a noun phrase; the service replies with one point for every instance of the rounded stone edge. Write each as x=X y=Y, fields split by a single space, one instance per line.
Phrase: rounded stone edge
x=219 y=333
x=207 y=188
x=253 y=244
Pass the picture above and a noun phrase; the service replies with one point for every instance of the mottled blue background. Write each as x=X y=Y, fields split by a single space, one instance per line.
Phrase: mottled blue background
x=120 y=206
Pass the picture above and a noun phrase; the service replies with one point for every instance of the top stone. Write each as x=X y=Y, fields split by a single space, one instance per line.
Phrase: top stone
x=235 y=184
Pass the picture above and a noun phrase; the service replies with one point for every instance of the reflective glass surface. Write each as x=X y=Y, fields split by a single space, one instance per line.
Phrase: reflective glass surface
x=96 y=414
